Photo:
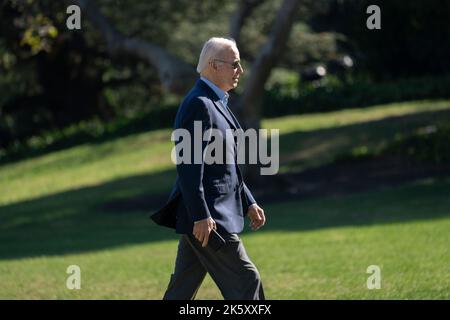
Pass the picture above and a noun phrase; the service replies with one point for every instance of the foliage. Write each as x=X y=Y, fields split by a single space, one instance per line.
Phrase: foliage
x=53 y=78
x=87 y=131
x=287 y=95
x=430 y=144
x=413 y=39
x=304 y=46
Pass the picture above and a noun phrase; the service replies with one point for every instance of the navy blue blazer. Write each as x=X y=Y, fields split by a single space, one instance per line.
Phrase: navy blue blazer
x=205 y=190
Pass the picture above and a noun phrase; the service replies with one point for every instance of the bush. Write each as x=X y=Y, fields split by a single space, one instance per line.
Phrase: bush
x=335 y=94
x=88 y=131
x=428 y=145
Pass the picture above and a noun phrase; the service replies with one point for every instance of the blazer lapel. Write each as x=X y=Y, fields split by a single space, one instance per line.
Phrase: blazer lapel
x=234 y=118
x=219 y=106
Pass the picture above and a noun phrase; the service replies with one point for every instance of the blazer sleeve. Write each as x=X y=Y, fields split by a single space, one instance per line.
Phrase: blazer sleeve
x=249 y=199
x=191 y=174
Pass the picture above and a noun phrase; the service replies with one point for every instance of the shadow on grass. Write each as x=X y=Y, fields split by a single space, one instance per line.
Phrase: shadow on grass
x=86 y=219
x=414 y=201
x=299 y=149
x=117 y=213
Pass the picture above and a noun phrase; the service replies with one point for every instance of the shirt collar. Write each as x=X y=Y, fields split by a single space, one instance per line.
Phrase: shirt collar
x=223 y=96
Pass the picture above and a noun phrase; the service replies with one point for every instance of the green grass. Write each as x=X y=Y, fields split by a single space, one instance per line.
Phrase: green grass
x=334 y=119
x=313 y=140
x=55 y=211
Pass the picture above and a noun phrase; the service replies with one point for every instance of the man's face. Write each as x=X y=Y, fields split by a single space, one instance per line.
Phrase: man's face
x=228 y=69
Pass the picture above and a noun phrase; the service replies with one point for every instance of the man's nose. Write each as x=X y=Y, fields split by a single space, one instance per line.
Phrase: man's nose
x=241 y=69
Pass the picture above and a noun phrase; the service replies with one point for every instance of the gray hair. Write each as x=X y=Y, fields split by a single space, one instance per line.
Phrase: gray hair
x=211 y=50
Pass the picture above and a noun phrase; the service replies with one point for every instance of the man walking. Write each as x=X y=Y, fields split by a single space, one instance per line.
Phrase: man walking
x=212 y=198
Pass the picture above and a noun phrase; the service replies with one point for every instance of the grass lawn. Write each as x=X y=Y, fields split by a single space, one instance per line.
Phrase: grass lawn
x=55 y=211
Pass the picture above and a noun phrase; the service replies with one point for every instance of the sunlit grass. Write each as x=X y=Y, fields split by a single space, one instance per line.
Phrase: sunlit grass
x=85 y=165
x=92 y=164
x=335 y=119
x=314 y=249
x=53 y=214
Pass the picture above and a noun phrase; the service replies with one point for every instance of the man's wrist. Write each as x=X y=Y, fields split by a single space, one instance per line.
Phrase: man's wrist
x=200 y=220
x=252 y=205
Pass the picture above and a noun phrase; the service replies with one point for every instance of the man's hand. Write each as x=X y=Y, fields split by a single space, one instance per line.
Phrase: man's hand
x=202 y=229
x=257 y=217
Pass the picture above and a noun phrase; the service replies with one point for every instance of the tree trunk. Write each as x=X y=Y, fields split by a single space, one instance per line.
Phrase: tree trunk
x=250 y=102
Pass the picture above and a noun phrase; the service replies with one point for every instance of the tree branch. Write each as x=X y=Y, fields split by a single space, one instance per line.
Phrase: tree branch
x=175 y=75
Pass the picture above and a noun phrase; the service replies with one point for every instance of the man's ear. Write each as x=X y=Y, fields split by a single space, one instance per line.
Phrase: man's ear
x=213 y=65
